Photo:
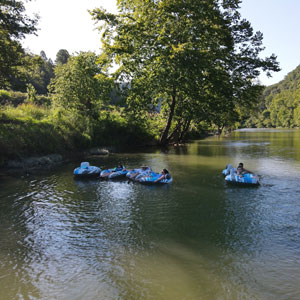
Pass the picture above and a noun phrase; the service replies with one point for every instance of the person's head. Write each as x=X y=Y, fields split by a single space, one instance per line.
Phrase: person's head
x=120 y=166
x=241 y=165
x=144 y=168
x=165 y=171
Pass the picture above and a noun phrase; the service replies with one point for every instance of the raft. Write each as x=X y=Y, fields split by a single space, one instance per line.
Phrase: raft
x=86 y=171
x=135 y=174
x=226 y=171
x=150 y=179
x=113 y=173
x=245 y=179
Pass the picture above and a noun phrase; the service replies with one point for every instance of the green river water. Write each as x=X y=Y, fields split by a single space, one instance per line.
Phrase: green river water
x=197 y=238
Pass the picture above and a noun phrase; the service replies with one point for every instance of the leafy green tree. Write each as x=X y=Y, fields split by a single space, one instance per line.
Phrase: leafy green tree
x=31 y=94
x=81 y=85
x=14 y=25
x=62 y=57
x=279 y=105
x=194 y=58
x=282 y=109
x=36 y=70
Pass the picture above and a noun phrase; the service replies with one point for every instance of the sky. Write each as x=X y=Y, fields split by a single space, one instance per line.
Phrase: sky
x=66 y=24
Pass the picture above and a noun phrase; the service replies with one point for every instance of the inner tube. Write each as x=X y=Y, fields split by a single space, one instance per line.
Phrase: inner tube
x=245 y=179
x=113 y=173
x=118 y=174
x=85 y=171
x=154 y=176
x=226 y=171
x=135 y=174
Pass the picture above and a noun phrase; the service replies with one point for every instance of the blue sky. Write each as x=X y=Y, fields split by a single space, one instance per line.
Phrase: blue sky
x=279 y=22
x=66 y=24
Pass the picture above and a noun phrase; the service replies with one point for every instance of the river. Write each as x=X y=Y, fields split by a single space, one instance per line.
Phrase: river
x=197 y=238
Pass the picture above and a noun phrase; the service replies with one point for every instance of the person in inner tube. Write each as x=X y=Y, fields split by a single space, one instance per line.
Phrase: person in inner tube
x=241 y=171
x=119 y=168
x=164 y=175
x=116 y=169
x=145 y=170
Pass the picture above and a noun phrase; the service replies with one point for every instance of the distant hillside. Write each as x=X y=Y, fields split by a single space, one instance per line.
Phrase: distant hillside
x=280 y=104
x=290 y=82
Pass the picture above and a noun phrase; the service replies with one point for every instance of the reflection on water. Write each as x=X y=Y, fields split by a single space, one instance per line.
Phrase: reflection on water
x=62 y=238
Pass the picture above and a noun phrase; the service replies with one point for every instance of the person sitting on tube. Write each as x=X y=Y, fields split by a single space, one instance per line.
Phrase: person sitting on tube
x=164 y=175
x=241 y=171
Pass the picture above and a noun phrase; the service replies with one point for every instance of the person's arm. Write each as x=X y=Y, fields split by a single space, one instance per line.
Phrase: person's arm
x=160 y=178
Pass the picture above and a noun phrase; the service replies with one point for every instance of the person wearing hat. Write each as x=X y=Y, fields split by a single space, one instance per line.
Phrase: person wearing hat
x=145 y=170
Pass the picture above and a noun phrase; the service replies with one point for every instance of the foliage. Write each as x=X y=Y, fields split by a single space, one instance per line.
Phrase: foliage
x=29 y=129
x=279 y=104
x=31 y=94
x=14 y=25
x=75 y=128
x=197 y=59
x=62 y=57
x=114 y=128
x=11 y=97
x=80 y=84
x=25 y=131
x=15 y=98
x=25 y=111
x=36 y=70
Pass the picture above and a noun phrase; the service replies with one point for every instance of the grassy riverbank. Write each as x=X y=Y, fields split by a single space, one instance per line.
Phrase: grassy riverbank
x=29 y=129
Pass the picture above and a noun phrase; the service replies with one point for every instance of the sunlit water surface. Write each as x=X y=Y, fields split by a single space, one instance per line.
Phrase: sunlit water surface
x=198 y=238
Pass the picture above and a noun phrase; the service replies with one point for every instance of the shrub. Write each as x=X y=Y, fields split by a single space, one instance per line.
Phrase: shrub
x=12 y=98
x=25 y=111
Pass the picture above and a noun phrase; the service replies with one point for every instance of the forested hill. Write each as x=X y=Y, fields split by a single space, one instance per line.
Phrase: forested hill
x=290 y=82
x=280 y=104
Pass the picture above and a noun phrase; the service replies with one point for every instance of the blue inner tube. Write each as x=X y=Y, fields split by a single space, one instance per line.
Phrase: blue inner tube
x=113 y=173
x=226 y=171
x=135 y=174
x=154 y=176
x=245 y=179
x=118 y=174
x=105 y=173
x=87 y=171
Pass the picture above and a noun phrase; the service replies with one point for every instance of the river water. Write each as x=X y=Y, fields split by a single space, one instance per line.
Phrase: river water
x=198 y=238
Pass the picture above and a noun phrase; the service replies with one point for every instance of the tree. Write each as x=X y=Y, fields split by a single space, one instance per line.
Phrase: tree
x=62 y=57
x=80 y=84
x=196 y=58
x=31 y=94
x=39 y=73
x=14 y=25
x=36 y=70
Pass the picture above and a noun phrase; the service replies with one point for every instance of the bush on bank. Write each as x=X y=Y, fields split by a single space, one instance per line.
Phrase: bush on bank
x=30 y=129
x=14 y=98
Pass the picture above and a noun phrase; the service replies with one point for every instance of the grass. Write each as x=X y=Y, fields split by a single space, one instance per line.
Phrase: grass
x=30 y=130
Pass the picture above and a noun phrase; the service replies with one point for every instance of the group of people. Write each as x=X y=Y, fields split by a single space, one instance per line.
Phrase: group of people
x=240 y=170
x=145 y=170
x=147 y=173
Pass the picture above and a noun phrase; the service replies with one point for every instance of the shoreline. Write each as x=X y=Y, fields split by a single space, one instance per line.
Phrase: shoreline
x=28 y=164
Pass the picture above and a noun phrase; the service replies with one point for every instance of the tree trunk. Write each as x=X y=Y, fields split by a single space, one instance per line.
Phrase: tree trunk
x=164 y=136
x=175 y=132
x=220 y=129
x=184 y=131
